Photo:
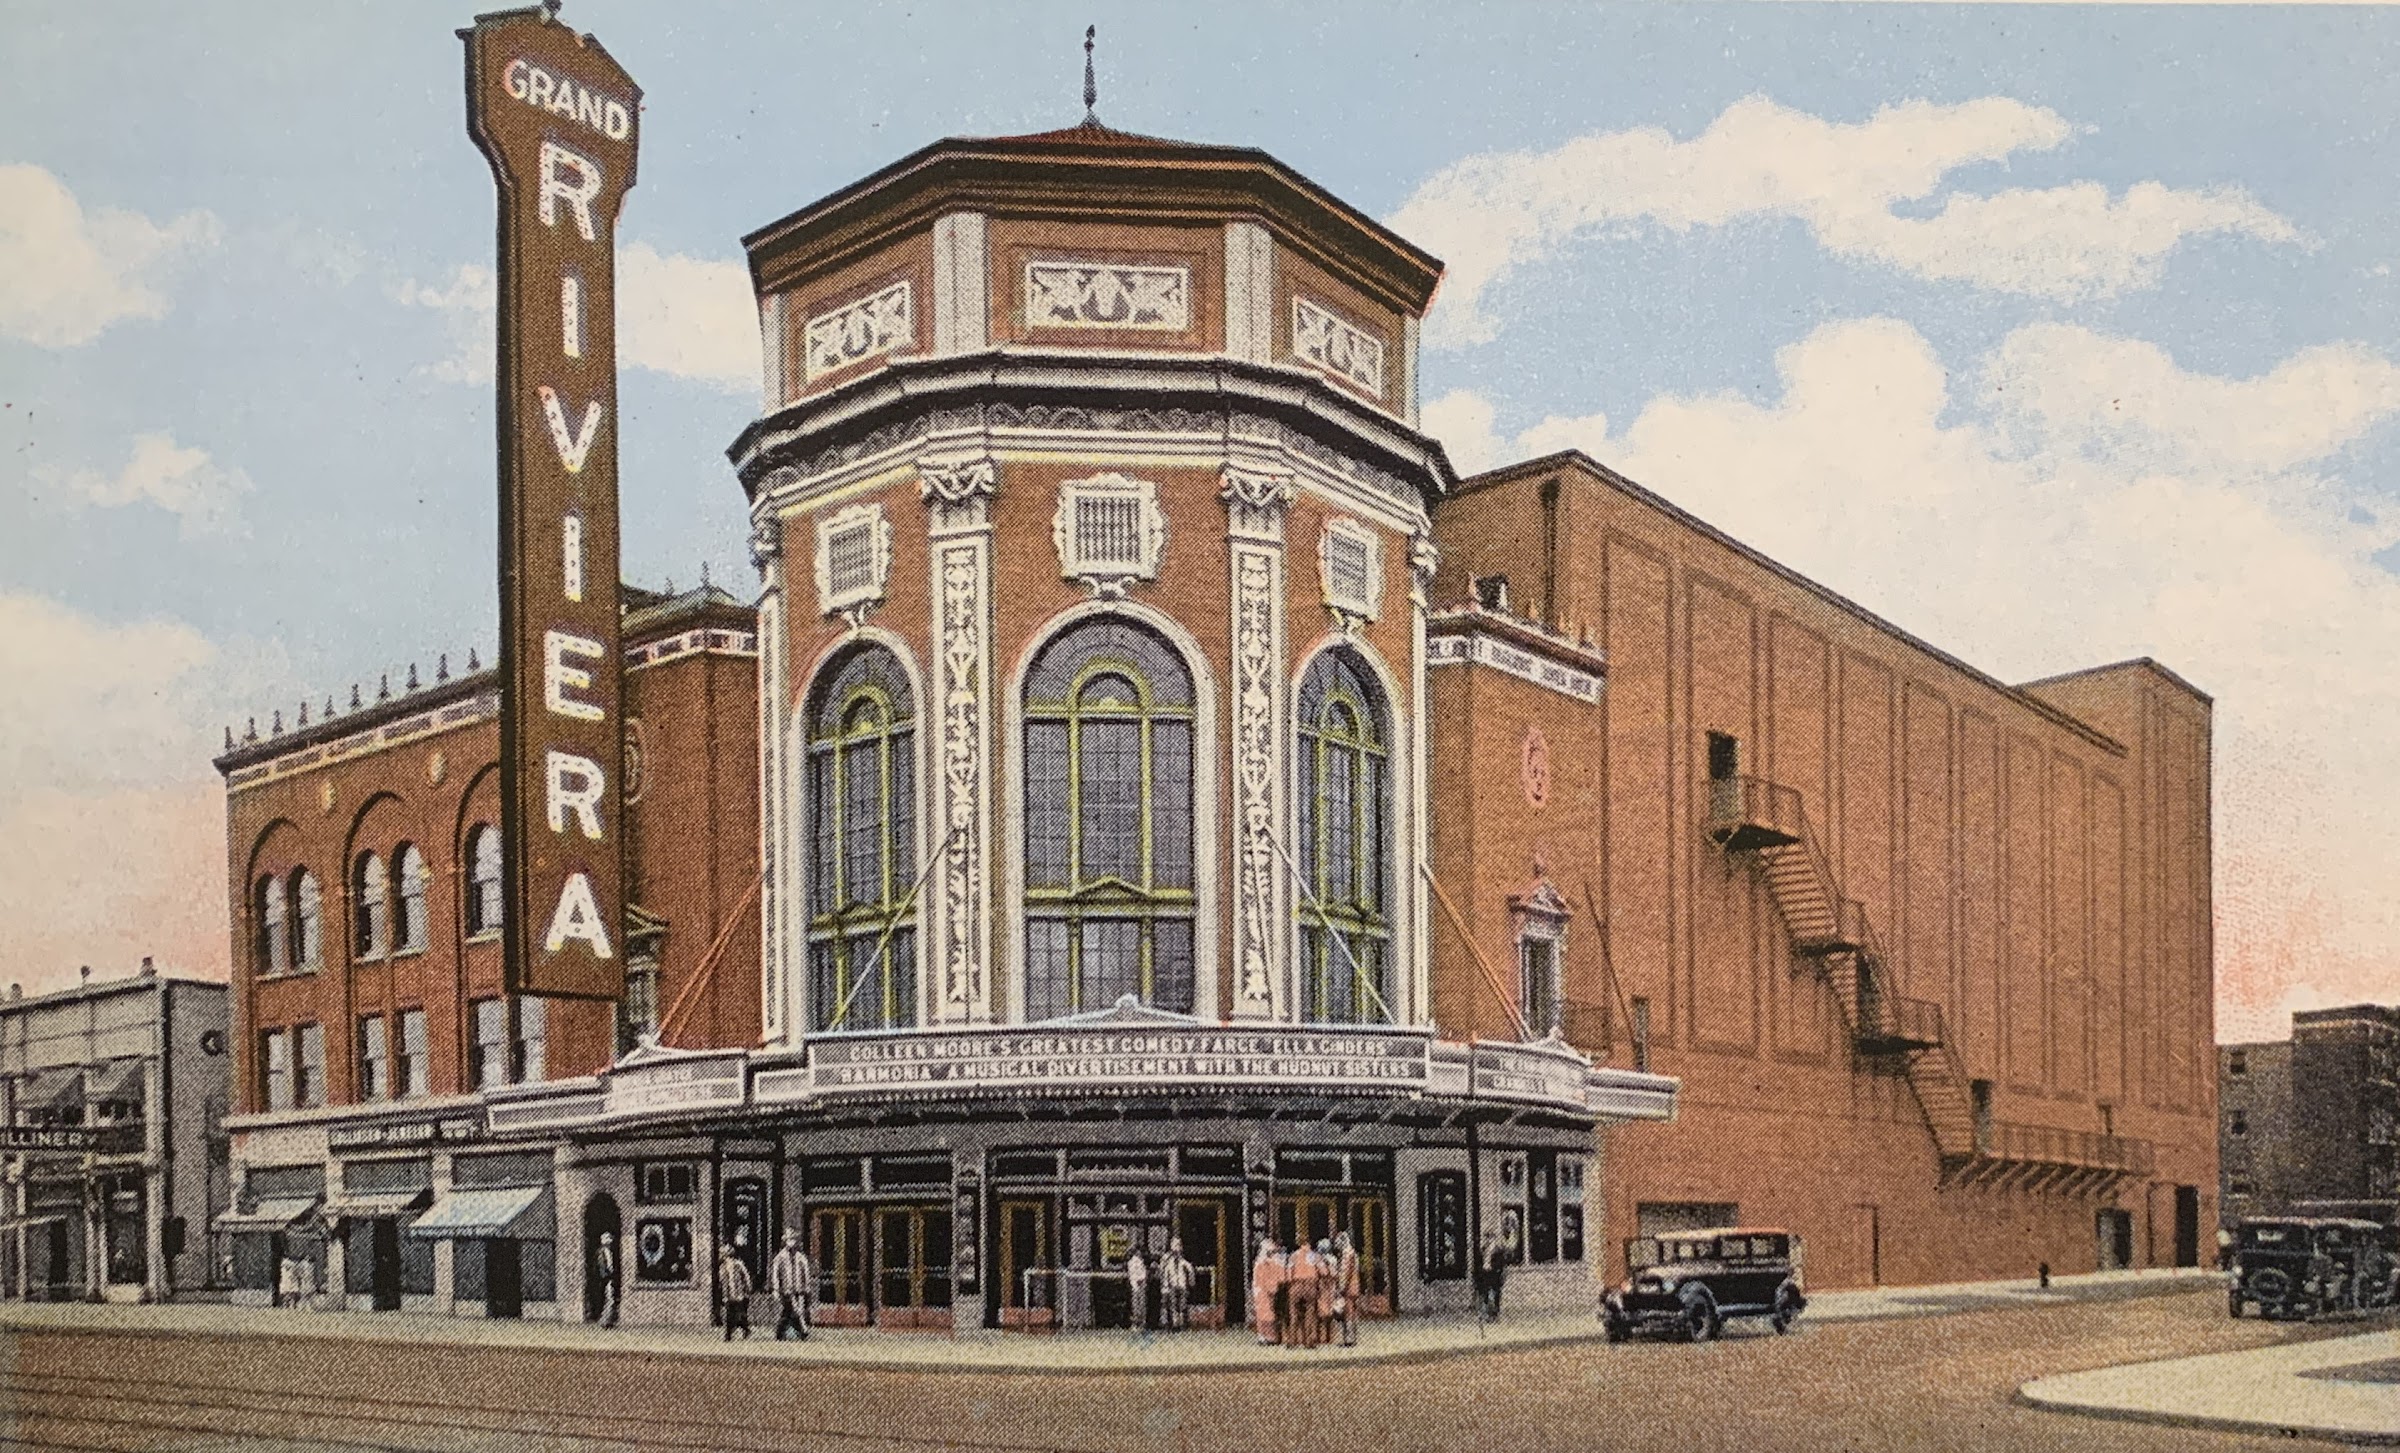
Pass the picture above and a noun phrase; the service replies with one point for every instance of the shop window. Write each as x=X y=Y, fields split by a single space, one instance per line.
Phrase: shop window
x=487 y=1052
x=893 y=1171
x=1570 y=1208
x=662 y=1249
x=484 y=896
x=1512 y=1206
x=370 y=907
x=374 y=1059
x=1442 y=1226
x=529 y=1054
x=270 y=914
x=833 y=1173
x=275 y=1057
x=413 y=882
x=1541 y=1206
x=1108 y=822
x=308 y=921
x=1344 y=793
x=412 y=1071
x=862 y=868
x=667 y=1182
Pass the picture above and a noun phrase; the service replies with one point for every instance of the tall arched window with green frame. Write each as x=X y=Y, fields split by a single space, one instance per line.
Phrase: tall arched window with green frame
x=860 y=808
x=1343 y=780
x=1108 y=822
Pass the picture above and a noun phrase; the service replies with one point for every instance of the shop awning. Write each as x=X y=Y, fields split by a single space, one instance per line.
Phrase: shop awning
x=52 y=1090
x=274 y=1213
x=119 y=1080
x=367 y=1205
x=469 y=1214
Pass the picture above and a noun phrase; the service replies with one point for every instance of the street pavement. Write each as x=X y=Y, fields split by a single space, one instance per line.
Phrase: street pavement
x=1868 y=1372
x=2344 y=1388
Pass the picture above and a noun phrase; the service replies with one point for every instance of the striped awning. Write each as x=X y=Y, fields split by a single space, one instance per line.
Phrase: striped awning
x=51 y=1089
x=367 y=1205
x=486 y=1212
x=116 y=1080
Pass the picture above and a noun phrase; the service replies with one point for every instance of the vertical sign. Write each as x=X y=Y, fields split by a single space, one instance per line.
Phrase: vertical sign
x=558 y=119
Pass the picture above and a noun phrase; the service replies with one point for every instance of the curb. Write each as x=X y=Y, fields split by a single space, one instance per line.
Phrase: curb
x=2204 y=1422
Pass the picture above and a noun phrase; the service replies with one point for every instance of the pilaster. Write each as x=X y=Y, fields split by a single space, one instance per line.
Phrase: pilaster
x=777 y=1001
x=1256 y=503
x=961 y=285
x=958 y=900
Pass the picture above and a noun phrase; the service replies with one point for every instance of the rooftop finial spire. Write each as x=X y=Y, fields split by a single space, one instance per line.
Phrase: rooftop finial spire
x=1091 y=86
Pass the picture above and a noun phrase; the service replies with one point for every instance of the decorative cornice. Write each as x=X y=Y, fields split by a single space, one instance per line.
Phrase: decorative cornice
x=958 y=482
x=1252 y=489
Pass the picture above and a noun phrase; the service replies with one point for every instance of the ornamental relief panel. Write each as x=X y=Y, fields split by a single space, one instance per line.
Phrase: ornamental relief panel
x=1076 y=294
x=882 y=322
x=1339 y=347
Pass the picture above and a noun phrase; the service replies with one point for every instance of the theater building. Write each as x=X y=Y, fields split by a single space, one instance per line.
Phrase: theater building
x=1154 y=797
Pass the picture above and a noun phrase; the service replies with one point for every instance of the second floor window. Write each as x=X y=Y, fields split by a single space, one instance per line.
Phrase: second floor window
x=484 y=900
x=370 y=907
x=374 y=1059
x=487 y=1056
x=531 y=1048
x=1537 y=958
x=1108 y=822
x=309 y=1079
x=1344 y=791
x=275 y=1059
x=413 y=881
x=270 y=908
x=861 y=796
x=412 y=1073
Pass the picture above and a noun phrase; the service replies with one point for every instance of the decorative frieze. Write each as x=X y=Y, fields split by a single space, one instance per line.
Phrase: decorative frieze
x=1070 y=294
x=1336 y=345
x=881 y=322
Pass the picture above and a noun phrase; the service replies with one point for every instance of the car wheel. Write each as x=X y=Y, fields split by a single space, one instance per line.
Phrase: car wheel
x=1700 y=1320
x=1618 y=1329
x=2270 y=1284
x=2233 y=1304
x=1787 y=1310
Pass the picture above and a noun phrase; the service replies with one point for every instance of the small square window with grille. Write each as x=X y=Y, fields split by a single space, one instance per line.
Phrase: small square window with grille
x=1109 y=530
x=854 y=558
x=1350 y=568
x=850 y=559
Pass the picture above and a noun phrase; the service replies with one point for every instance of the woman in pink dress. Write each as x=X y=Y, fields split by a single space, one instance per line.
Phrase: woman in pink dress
x=1266 y=1279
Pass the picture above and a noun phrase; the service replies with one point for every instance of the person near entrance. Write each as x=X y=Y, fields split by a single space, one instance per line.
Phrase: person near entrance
x=604 y=1279
x=291 y=1281
x=1347 y=1284
x=733 y=1290
x=1175 y=1287
x=1137 y=1292
x=1266 y=1280
x=1300 y=1297
x=1491 y=1266
x=792 y=1281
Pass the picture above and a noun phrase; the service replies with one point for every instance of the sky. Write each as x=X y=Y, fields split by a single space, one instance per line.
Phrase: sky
x=2056 y=334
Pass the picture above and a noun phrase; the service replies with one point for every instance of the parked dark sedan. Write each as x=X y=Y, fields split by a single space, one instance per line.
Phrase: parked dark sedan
x=1689 y=1282
x=2302 y=1266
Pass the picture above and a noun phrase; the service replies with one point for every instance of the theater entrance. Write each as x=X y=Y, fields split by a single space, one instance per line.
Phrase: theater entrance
x=837 y=1244
x=1321 y=1192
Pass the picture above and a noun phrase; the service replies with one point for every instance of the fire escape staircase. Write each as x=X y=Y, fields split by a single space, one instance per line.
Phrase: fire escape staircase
x=1767 y=824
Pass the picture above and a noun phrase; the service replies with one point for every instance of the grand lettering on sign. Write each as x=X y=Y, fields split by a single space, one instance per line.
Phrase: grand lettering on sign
x=559 y=121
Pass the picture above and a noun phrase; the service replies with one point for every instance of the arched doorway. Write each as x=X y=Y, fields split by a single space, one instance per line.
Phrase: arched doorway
x=600 y=1217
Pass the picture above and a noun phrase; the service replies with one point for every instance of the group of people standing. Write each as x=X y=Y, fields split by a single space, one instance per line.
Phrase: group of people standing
x=791 y=1280
x=1305 y=1297
x=1174 y=1275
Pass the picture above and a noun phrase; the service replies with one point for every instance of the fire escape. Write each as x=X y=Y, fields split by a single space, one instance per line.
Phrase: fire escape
x=1766 y=823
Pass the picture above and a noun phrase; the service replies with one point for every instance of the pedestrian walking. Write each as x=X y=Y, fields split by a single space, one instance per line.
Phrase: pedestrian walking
x=1348 y=1284
x=792 y=1281
x=1175 y=1287
x=287 y=1282
x=1491 y=1264
x=733 y=1291
x=1266 y=1281
x=1328 y=1292
x=1137 y=1292
x=1300 y=1294
x=604 y=1280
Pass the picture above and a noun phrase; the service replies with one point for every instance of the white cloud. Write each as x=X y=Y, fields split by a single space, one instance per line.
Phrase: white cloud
x=68 y=274
x=183 y=481
x=111 y=818
x=1489 y=214
x=686 y=317
x=2077 y=498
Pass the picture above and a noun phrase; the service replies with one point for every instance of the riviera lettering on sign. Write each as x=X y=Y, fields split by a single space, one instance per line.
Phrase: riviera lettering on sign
x=558 y=120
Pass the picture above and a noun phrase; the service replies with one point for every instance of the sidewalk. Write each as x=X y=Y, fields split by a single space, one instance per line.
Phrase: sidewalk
x=1400 y=1339
x=2344 y=1388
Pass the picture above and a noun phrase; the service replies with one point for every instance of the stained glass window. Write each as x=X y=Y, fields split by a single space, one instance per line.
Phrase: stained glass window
x=860 y=789
x=1344 y=791
x=1108 y=822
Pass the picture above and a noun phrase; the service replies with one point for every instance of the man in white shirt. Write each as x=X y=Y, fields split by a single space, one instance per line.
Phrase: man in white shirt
x=793 y=1281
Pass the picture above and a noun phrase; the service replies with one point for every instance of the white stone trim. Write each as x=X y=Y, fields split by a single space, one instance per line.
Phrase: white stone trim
x=1366 y=603
x=1256 y=504
x=1085 y=287
x=1136 y=516
x=774 y=958
x=1325 y=340
x=1410 y=328
x=961 y=284
x=1206 y=865
x=1249 y=292
x=958 y=711
x=883 y=322
x=770 y=350
x=1458 y=648
x=854 y=597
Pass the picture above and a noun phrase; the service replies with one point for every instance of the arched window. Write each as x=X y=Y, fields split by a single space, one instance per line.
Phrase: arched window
x=370 y=907
x=861 y=816
x=308 y=921
x=1108 y=822
x=1344 y=787
x=270 y=907
x=413 y=881
x=484 y=911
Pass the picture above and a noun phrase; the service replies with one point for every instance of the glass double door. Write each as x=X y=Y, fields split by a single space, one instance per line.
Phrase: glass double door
x=889 y=1265
x=1366 y=1215
x=1062 y=1257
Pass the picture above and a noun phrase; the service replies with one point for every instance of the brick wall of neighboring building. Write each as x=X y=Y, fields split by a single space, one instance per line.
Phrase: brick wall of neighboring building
x=2255 y=1137
x=2034 y=861
x=419 y=768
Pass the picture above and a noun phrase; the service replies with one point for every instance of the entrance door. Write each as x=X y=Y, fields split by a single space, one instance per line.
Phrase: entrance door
x=503 y=1278
x=837 y=1243
x=601 y=1218
x=1025 y=1232
x=1368 y=1219
x=1312 y=1218
x=1870 y=1227
x=386 y=1241
x=1216 y=1279
x=912 y=1266
x=55 y=1285
x=2113 y=1230
x=2187 y=1225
